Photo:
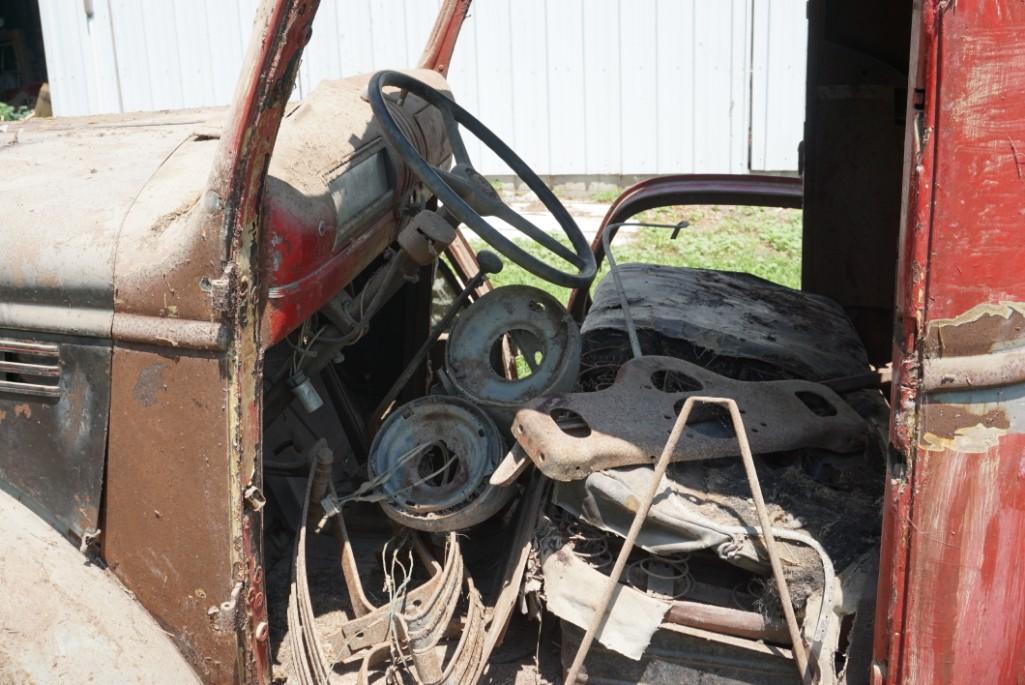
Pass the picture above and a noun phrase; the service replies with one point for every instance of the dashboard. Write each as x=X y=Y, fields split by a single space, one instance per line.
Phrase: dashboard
x=335 y=194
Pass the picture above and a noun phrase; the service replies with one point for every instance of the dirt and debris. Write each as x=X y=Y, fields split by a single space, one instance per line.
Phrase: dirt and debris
x=701 y=537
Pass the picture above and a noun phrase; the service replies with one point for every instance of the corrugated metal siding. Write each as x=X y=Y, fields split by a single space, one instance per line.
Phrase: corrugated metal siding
x=777 y=83
x=577 y=87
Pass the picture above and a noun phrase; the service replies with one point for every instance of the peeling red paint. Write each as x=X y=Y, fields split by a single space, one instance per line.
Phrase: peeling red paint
x=966 y=588
x=952 y=585
x=441 y=44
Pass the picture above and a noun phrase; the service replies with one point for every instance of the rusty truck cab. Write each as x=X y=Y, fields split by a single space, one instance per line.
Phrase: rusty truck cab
x=252 y=372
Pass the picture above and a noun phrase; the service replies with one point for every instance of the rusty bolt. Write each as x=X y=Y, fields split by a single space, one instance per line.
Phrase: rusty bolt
x=262 y=631
x=254 y=498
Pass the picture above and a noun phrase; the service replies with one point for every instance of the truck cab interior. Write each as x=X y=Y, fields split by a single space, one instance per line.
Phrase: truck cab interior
x=275 y=396
x=530 y=427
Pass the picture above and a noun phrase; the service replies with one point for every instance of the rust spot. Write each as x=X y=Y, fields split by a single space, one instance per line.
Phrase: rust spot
x=3 y=416
x=151 y=381
x=161 y=224
x=23 y=410
x=945 y=420
x=954 y=427
x=982 y=329
x=1017 y=159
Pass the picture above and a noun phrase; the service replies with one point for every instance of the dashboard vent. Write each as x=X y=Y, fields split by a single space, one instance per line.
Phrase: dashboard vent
x=29 y=369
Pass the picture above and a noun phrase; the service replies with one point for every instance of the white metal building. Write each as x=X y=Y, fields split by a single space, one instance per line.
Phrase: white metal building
x=578 y=87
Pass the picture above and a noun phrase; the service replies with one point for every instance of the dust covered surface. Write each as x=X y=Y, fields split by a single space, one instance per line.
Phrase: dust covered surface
x=746 y=328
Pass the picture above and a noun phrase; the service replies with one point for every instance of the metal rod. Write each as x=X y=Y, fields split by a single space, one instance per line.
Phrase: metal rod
x=516 y=564
x=747 y=624
x=489 y=264
x=624 y=305
x=602 y=610
x=800 y=655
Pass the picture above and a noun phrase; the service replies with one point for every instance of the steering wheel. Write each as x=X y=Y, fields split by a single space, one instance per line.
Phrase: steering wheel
x=469 y=196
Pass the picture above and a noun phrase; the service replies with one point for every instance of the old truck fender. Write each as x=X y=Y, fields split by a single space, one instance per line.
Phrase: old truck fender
x=63 y=619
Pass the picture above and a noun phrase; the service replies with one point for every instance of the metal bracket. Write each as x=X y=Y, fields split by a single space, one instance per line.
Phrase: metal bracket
x=570 y=436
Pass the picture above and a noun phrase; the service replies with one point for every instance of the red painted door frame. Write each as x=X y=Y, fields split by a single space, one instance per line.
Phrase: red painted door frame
x=952 y=583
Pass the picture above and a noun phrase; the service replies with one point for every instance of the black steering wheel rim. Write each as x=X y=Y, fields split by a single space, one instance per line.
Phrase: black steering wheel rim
x=580 y=257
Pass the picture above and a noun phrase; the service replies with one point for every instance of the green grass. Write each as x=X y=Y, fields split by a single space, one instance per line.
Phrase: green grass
x=606 y=196
x=12 y=113
x=762 y=241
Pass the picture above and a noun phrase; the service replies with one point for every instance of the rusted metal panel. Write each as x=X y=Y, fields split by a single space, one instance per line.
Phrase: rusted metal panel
x=166 y=527
x=281 y=31
x=54 y=399
x=437 y=54
x=910 y=297
x=952 y=579
x=176 y=333
x=571 y=435
x=63 y=212
x=331 y=205
x=192 y=418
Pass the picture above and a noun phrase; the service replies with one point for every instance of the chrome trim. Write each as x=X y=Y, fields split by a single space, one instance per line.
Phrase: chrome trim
x=29 y=369
x=31 y=349
x=30 y=389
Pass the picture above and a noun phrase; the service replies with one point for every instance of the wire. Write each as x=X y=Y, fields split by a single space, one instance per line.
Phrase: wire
x=369 y=491
x=624 y=305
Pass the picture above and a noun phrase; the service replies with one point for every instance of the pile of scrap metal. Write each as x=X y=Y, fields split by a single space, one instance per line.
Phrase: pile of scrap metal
x=756 y=560
x=689 y=482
